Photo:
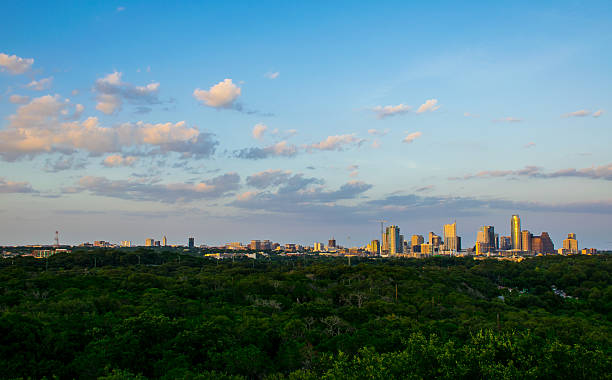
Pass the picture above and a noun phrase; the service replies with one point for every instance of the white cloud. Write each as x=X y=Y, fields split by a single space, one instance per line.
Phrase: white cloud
x=411 y=137
x=41 y=126
x=468 y=114
x=119 y=160
x=376 y=132
x=272 y=75
x=337 y=142
x=376 y=144
x=40 y=85
x=259 y=130
x=508 y=119
x=18 y=99
x=120 y=9
x=14 y=64
x=429 y=105
x=530 y=145
x=112 y=91
x=579 y=113
x=598 y=113
x=382 y=112
x=221 y=95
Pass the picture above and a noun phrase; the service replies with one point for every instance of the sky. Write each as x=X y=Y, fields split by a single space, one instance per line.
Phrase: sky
x=303 y=121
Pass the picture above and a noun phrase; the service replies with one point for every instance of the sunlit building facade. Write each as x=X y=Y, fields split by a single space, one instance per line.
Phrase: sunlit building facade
x=515 y=232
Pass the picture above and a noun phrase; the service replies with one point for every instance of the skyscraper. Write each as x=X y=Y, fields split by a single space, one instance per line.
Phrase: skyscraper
x=331 y=243
x=165 y=241
x=191 y=243
x=150 y=242
x=452 y=242
x=526 y=238
x=515 y=232
x=393 y=240
x=571 y=244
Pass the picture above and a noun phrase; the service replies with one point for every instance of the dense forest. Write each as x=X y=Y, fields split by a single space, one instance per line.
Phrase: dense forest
x=116 y=314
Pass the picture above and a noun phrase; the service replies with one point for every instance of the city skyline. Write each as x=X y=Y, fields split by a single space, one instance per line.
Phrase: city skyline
x=293 y=122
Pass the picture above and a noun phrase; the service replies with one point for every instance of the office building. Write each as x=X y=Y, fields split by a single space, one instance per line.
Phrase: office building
x=191 y=243
x=331 y=243
x=393 y=240
x=451 y=241
x=542 y=244
x=165 y=241
x=505 y=243
x=126 y=243
x=319 y=247
x=485 y=239
x=515 y=232
x=571 y=244
x=374 y=246
x=150 y=242
x=526 y=239
x=417 y=240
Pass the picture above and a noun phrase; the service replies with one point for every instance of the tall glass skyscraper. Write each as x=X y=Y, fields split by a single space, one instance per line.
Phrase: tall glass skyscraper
x=515 y=231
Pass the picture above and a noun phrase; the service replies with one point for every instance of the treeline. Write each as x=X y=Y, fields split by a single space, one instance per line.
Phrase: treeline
x=159 y=314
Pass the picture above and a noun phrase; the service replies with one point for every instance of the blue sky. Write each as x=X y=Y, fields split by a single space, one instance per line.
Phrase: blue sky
x=300 y=121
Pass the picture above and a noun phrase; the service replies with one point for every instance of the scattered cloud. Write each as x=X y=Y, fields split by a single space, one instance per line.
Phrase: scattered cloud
x=117 y=160
x=120 y=9
x=285 y=179
x=376 y=132
x=41 y=85
x=386 y=111
x=259 y=130
x=598 y=113
x=221 y=95
x=411 y=137
x=424 y=189
x=272 y=75
x=63 y=163
x=7 y=186
x=14 y=64
x=18 y=99
x=508 y=119
x=529 y=145
x=375 y=144
x=354 y=170
x=468 y=114
x=280 y=149
x=429 y=105
x=111 y=92
x=43 y=126
x=579 y=113
x=144 y=189
x=337 y=143
x=600 y=172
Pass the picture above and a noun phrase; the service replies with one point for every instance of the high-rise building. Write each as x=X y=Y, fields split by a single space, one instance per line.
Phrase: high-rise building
x=319 y=247
x=401 y=244
x=393 y=240
x=374 y=246
x=505 y=243
x=191 y=243
x=486 y=239
x=417 y=240
x=571 y=244
x=126 y=243
x=542 y=244
x=331 y=243
x=515 y=232
x=165 y=241
x=526 y=238
x=451 y=241
x=150 y=242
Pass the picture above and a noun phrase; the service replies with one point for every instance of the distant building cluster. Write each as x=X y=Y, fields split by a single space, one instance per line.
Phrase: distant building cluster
x=392 y=243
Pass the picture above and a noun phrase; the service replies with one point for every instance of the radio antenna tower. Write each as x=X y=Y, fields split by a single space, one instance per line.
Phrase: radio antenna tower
x=56 y=239
x=382 y=233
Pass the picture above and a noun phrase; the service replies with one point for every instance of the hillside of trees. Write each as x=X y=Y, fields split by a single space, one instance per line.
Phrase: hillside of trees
x=138 y=314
